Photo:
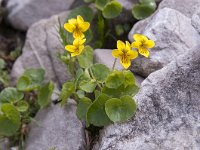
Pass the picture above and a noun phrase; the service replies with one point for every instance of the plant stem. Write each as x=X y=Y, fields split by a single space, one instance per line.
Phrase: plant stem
x=113 y=67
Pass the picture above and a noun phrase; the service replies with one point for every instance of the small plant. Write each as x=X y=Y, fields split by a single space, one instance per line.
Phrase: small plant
x=3 y=74
x=18 y=105
x=144 y=9
x=103 y=95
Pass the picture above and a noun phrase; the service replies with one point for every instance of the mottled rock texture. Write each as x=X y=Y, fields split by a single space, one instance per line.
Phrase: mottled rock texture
x=23 y=13
x=57 y=127
x=173 y=34
x=41 y=50
x=168 y=115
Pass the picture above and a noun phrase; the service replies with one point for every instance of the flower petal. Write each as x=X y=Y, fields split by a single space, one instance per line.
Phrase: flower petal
x=125 y=62
x=128 y=46
x=143 y=51
x=116 y=53
x=80 y=19
x=120 y=45
x=69 y=27
x=139 y=37
x=149 y=44
x=73 y=21
x=84 y=26
x=132 y=54
x=135 y=44
x=70 y=48
x=78 y=34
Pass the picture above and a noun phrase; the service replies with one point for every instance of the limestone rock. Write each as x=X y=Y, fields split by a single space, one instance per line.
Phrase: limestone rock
x=105 y=57
x=196 y=21
x=41 y=49
x=173 y=35
x=57 y=127
x=23 y=13
x=183 y=6
x=168 y=115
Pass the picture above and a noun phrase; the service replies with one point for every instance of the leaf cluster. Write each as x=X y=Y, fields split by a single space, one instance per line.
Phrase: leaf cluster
x=16 y=103
x=103 y=96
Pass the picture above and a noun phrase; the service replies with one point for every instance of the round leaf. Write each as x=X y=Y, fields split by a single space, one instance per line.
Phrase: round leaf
x=119 y=110
x=142 y=11
x=44 y=95
x=88 y=86
x=82 y=108
x=129 y=78
x=115 y=79
x=100 y=72
x=96 y=114
x=85 y=59
x=112 y=10
x=101 y=3
x=25 y=84
x=10 y=94
x=22 y=106
x=9 y=121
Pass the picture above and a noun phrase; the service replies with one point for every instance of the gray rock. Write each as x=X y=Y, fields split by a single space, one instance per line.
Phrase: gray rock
x=183 y=6
x=196 y=21
x=57 y=127
x=173 y=35
x=40 y=50
x=105 y=57
x=22 y=14
x=168 y=115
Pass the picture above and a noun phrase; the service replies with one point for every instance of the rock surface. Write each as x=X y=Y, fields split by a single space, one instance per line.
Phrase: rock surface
x=173 y=34
x=105 y=57
x=23 y=13
x=188 y=9
x=57 y=127
x=40 y=50
x=168 y=115
x=196 y=20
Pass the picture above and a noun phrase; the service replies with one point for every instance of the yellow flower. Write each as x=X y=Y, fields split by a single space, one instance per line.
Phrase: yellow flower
x=77 y=26
x=124 y=53
x=142 y=43
x=77 y=47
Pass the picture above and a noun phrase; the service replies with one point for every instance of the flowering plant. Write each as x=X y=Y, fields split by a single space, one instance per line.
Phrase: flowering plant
x=103 y=95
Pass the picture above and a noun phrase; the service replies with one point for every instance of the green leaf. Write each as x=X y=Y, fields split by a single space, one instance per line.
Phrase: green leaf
x=10 y=94
x=30 y=80
x=22 y=106
x=112 y=10
x=88 y=1
x=67 y=89
x=9 y=120
x=100 y=72
x=115 y=79
x=35 y=75
x=25 y=84
x=82 y=108
x=121 y=91
x=119 y=110
x=85 y=59
x=45 y=93
x=2 y=64
x=96 y=114
x=100 y=4
x=142 y=11
x=80 y=94
x=97 y=94
x=129 y=78
x=88 y=86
